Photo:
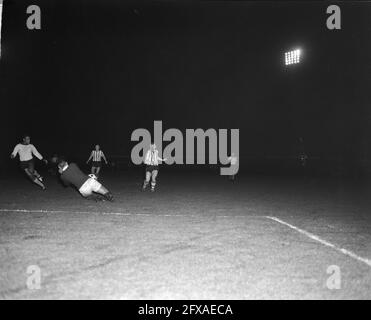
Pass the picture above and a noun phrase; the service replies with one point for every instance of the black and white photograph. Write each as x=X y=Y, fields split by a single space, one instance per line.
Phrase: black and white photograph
x=185 y=151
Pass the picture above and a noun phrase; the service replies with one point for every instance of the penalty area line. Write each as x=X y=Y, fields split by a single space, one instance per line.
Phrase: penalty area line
x=324 y=242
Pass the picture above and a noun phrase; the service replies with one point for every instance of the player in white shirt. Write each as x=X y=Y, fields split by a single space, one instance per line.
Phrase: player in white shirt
x=233 y=161
x=97 y=155
x=26 y=152
x=152 y=167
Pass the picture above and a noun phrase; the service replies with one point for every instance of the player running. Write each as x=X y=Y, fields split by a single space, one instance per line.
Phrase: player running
x=88 y=186
x=152 y=167
x=233 y=161
x=97 y=155
x=26 y=152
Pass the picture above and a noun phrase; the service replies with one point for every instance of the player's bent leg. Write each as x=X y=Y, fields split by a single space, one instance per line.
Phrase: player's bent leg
x=86 y=189
x=37 y=175
x=146 y=181
x=105 y=193
x=153 y=182
x=101 y=190
x=93 y=197
x=97 y=171
x=29 y=173
x=98 y=188
x=31 y=166
x=34 y=178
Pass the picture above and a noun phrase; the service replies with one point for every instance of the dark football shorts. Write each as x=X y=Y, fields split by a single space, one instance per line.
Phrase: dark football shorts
x=96 y=164
x=29 y=164
x=151 y=168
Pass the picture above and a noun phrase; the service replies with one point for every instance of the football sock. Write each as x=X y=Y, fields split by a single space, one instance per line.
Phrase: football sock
x=39 y=183
x=109 y=196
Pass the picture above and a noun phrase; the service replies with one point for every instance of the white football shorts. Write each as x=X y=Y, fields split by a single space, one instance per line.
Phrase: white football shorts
x=91 y=185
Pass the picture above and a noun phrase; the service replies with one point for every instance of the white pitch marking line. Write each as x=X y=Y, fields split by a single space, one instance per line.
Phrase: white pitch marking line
x=61 y=211
x=119 y=213
x=72 y=211
x=324 y=242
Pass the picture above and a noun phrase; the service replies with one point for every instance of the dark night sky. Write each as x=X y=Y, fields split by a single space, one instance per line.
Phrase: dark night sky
x=99 y=69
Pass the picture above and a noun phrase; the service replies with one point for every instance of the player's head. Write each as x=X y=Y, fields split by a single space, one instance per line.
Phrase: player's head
x=54 y=159
x=153 y=147
x=97 y=147
x=26 y=139
x=61 y=163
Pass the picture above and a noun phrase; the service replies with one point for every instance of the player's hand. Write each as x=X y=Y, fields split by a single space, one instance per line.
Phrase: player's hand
x=45 y=161
x=12 y=156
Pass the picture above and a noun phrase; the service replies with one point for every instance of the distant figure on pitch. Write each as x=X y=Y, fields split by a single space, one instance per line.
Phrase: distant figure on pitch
x=303 y=158
x=88 y=186
x=233 y=161
x=97 y=155
x=152 y=167
x=26 y=151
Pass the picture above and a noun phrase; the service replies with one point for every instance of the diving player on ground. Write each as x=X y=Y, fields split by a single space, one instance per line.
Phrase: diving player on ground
x=88 y=186
x=26 y=151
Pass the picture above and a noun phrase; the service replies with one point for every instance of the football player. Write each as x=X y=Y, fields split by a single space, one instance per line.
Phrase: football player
x=88 y=186
x=152 y=167
x=97 y=155
x=26 y=152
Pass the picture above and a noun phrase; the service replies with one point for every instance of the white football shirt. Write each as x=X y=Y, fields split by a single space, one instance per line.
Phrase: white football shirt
x=26 y=152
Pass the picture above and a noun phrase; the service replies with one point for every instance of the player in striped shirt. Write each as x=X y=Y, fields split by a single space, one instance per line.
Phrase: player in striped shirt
x=26 y=152
x=96 y=157
x=152 y=167
x=233 y=161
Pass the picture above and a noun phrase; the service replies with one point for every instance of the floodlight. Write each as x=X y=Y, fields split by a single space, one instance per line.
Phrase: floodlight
x=292 y=57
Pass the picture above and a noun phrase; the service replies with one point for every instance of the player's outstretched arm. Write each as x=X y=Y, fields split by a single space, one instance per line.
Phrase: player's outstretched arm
x=36 y=153
x=91 y=156
x=104 y=158
x=15 y=151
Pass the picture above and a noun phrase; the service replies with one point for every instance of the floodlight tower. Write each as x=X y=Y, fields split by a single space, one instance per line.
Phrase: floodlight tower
x=292 y=60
